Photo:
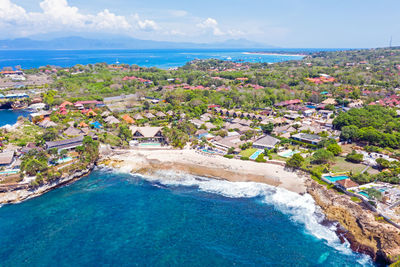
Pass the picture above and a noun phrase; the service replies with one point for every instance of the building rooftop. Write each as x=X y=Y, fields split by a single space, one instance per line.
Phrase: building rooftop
x=6 y=157
x=266 y=140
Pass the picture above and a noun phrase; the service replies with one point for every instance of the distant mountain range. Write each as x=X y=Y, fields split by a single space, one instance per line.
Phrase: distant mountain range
x=82 y=43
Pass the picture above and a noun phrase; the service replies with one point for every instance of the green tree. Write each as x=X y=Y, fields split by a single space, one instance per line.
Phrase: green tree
x=335 y=149
x=322 y=156
x=354 y=157
x=349 y=133
x=50 y=135
x=383 y=163
x=125 y=133
x=267 y=128
x=295 y=162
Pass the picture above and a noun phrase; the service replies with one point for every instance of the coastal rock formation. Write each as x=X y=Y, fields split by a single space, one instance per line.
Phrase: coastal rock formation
x=18 y=194
x=365 y=233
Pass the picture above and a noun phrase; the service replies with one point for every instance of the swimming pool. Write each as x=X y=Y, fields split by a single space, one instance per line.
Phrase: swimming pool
x=208 y=151
x=288 y=153
x=9 y=172
x=364 y=194
x=256 y=154
x=149 y=144
x=334 y=179
x=64 y=160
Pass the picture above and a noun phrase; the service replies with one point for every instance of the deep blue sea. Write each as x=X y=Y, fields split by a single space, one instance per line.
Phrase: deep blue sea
x=116 y=219
x=8 y=116
x=145 y=58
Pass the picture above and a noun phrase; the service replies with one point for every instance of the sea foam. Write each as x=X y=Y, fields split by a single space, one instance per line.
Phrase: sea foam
x=301 y=209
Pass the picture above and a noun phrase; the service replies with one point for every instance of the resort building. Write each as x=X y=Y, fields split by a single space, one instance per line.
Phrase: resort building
x=65 y=144
x=6 y=158
x=346 y=184
x=39 y=116
x=228 y=142
x=71 y=131
x=111 y=120
x=307 y=138
x=152 y=134
x=266 y=142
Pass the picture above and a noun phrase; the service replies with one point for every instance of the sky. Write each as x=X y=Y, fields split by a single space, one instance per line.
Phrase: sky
x=282 y=23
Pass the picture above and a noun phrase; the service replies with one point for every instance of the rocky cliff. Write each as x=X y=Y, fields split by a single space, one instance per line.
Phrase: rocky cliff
x=359 y=225
x=15 y=195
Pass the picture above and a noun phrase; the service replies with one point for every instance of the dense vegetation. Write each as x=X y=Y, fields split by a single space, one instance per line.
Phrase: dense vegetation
x=373 y=124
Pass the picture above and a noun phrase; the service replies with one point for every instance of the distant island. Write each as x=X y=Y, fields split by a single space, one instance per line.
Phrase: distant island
x=120 y=42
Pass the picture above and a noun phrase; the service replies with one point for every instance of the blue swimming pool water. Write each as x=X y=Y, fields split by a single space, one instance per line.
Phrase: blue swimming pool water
x=364 y=194
x=149 y=144
x=256 y=154
x=336 y=178
x=9 y=172
x=288 y=154
x=64 y=160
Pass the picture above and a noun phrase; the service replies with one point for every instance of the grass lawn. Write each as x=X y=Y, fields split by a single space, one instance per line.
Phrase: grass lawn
x=112 y=140
x=25 y=134
x=248 y=152
x=341 y=165
x=277 y=157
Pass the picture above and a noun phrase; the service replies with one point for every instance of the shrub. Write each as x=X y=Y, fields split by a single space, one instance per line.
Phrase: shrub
x=260 y=158
x=244 y=158
x=296 y=161
x=355 y=199
x=335 y=149
x=354 y=157
x=228 y=156
x=322 y=156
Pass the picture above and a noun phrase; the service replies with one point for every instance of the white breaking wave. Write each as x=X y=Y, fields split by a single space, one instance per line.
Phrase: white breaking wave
x=300 y=209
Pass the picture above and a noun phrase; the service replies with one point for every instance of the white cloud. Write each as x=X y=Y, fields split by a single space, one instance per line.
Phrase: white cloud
x=212 y=24
x=10 y=12
x=107 y=20
x=58 y=15
x=146 y=25
x=59 y=11
x=208 y=23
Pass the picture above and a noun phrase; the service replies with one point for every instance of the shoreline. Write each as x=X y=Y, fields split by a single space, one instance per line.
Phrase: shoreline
x=356 y=223
x=147 y=162
x=273 y=54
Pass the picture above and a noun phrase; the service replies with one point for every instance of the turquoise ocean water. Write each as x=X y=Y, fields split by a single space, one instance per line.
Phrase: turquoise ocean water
x=10 y=116
x=116 y=219
x=146 y=58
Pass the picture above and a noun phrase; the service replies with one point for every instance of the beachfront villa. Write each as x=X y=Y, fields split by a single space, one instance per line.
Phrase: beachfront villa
x=307 y=138
x=65 y=144
x=6 y=158
x=148 y=134
x=266 y=142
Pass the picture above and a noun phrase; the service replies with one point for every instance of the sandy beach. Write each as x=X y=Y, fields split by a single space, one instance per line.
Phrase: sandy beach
x=195 y=163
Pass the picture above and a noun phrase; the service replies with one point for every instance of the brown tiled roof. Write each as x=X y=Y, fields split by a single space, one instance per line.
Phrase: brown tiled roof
x=347 y=183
